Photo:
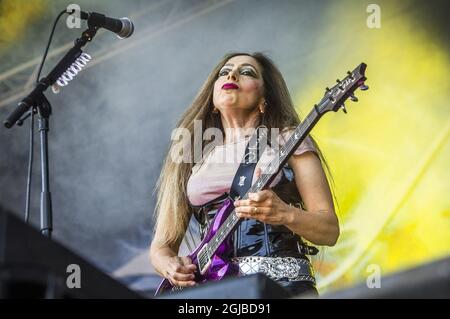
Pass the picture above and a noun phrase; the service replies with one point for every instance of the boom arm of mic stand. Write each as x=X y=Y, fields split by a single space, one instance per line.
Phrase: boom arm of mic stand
x=31 y=99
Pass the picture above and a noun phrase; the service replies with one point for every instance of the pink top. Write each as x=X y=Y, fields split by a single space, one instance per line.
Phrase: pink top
x=212 y=177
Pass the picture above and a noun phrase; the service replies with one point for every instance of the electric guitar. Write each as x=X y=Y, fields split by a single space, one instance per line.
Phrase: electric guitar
x=209 y=254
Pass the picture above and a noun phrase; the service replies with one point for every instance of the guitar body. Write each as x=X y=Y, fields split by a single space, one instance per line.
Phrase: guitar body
x=219 y=266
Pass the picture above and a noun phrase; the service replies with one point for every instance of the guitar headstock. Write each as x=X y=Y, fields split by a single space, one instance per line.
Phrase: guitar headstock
x=335 y=97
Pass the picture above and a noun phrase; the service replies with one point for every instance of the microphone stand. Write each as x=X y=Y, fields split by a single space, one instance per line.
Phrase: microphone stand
x=36 y=99
x=44 y=112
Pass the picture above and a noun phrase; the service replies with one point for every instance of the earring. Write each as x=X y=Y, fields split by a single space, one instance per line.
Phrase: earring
x=263 y=109
x=215 y=110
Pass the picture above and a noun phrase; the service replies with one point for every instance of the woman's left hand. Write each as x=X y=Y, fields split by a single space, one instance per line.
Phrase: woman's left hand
x=264 y=206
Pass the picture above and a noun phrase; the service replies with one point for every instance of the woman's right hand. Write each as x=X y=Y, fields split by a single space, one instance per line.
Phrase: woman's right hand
x=180 y=271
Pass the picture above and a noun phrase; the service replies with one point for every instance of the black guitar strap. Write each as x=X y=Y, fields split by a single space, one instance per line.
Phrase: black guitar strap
x=242 y=181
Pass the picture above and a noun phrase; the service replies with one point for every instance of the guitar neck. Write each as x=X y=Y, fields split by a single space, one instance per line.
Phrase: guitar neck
x=285 y=152
x=268 y=175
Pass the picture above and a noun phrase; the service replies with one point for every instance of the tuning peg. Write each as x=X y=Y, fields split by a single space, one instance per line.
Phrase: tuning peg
x=327 y=89
x=343 y=108
x=363 y=87
x=338 y=81
x=350 y=75
x=353 y=98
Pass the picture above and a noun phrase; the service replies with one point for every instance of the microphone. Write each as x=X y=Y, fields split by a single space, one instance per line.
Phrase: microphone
x=123 y=27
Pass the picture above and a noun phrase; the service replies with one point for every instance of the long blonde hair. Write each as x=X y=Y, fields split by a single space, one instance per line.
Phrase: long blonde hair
x=172 y=207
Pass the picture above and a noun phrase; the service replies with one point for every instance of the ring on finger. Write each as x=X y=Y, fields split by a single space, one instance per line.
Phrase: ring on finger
x=255 y=210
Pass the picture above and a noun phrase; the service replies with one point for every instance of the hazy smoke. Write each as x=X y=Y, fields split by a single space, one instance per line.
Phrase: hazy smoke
x=111 y=125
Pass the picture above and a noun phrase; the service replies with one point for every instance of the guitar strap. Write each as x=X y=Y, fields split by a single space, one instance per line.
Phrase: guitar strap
x=242 y=181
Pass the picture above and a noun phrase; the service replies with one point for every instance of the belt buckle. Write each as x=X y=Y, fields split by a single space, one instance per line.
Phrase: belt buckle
x=277 y=267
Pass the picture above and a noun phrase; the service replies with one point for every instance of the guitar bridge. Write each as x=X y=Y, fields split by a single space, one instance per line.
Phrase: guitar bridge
x=203 y=259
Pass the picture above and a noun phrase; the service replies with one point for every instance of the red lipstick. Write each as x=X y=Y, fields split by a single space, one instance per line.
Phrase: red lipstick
x=230 y=86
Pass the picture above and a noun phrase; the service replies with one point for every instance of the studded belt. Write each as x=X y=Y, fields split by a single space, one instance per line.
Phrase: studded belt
x=277 y=268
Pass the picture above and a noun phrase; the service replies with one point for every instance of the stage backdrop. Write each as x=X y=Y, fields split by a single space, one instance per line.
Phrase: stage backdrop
x=111 y=125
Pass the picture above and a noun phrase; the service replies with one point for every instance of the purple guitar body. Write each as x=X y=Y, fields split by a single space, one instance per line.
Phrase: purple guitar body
x=218 y=267
x=211 y=255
